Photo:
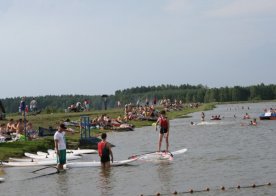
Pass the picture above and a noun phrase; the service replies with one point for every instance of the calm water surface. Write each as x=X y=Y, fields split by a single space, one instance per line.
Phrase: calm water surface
x=220 y=153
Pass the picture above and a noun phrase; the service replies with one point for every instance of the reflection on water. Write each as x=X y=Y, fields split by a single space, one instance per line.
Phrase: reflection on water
x=165 y=176
x=104 y=182
x=1 y=172
x=62 y=184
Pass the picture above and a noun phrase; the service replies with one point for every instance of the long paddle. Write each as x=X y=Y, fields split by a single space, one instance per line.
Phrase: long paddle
x=44 y=168
x=43 y=175
x=56 y=172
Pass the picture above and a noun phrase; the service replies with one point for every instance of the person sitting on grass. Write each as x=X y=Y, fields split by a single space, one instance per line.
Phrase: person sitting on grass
x=31 y=133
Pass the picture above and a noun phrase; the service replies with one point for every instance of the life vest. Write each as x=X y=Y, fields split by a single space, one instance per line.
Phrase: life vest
x=164 y=122
x=103 y=150
x=101 y=145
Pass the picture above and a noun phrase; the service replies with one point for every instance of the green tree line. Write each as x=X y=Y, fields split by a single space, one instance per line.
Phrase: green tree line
x=185 y=92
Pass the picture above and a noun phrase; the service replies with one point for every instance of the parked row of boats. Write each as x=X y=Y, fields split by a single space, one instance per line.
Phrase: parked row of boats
x=45 y=158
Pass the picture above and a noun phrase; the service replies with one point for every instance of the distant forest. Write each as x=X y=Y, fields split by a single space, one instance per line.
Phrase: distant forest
x=187 y=93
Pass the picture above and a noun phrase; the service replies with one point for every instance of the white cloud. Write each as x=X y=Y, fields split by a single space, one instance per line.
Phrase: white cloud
x=246 y=7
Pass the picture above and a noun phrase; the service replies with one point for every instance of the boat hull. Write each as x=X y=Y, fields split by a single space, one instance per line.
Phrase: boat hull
x=268 y=116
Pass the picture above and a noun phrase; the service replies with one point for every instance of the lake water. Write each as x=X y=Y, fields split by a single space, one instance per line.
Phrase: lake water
x=220 y=153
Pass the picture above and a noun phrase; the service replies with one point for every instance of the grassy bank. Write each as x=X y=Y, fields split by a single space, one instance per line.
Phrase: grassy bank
x=17 y=149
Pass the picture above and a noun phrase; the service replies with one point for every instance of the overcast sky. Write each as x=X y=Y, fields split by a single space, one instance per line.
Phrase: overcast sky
x=54 y=47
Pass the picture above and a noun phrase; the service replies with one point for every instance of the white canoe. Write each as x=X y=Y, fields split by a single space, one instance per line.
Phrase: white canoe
x=50 y=157
x=159 y=156
x=97 y=163
x=2 y=180
x=30 y=164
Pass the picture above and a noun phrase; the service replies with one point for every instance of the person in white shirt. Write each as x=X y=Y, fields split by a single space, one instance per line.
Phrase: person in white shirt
x=60 y=145
x=33 y=105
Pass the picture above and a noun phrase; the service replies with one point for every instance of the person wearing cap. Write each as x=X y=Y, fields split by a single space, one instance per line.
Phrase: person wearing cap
x=60 y=145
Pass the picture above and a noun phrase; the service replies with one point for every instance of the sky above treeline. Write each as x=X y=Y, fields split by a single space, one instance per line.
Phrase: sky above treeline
x=87 y=47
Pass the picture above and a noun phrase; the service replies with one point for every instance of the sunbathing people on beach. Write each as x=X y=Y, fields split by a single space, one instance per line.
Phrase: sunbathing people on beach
x=140 y=113
x=3 y=133
x=78 y=107
x=11 y=126
x=170 y=105
x=31 y=132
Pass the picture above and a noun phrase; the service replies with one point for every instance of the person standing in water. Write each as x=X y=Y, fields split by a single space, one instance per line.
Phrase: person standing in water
x=60 y=145
x=163 y=121
x=202 y=116
x=105 y=152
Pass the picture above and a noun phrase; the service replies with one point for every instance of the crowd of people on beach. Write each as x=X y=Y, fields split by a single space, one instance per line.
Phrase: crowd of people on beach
x=15 y=130
x=106 y=122
x=132 y=112
x=79 y=107
x=169 y=105
x=149 y=112
x=103 y=122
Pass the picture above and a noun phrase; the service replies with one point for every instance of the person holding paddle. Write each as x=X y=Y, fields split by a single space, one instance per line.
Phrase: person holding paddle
x=105 y=152
x=163 y=121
